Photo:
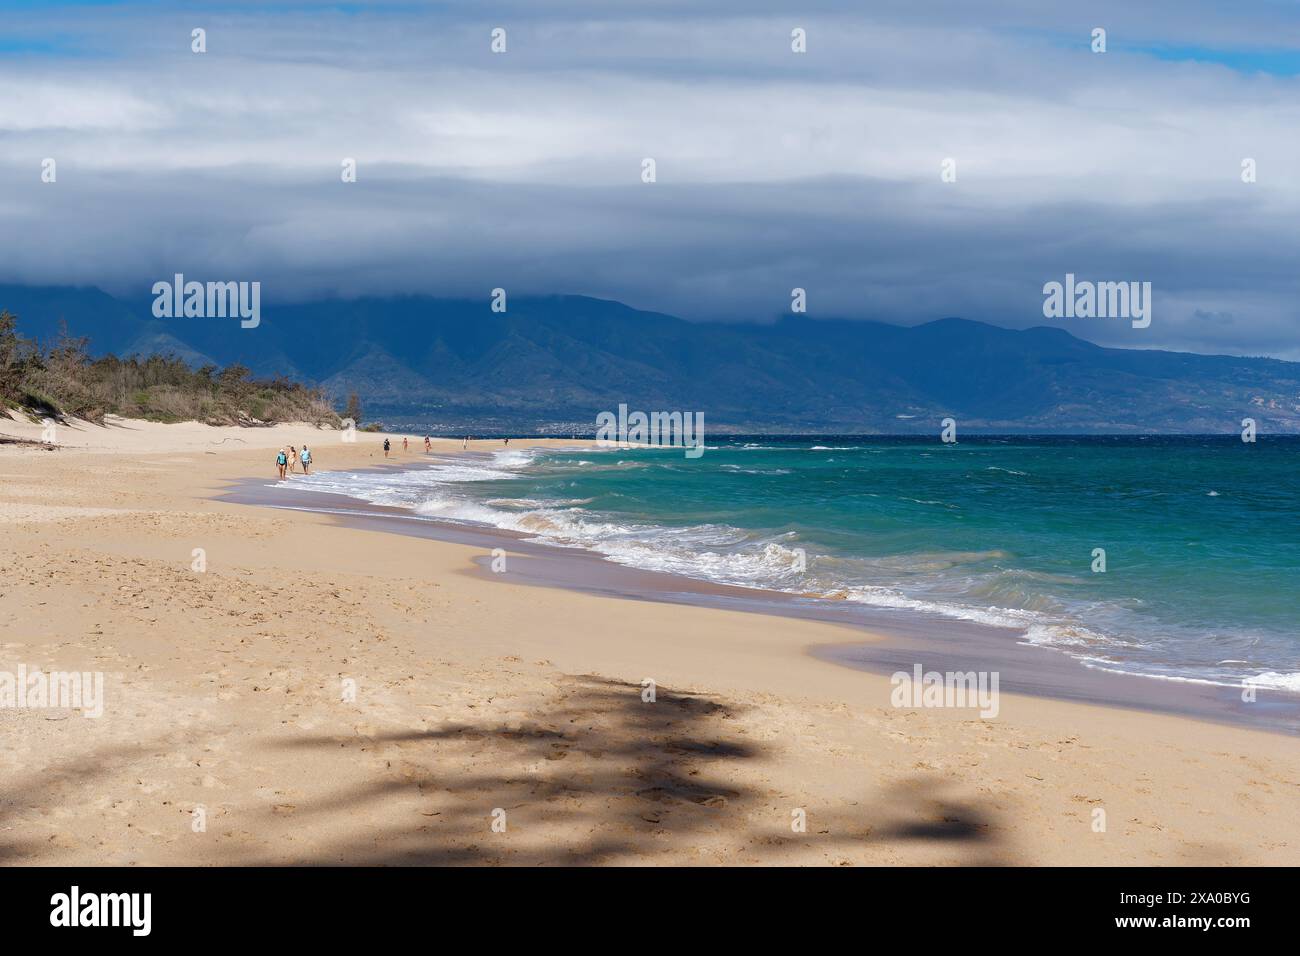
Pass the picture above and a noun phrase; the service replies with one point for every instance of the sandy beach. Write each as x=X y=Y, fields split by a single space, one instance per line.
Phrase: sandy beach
x=282 y=688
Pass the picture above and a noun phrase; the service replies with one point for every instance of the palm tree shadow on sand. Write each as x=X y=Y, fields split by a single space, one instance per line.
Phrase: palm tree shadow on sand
x=52 y=785
x=602 y=777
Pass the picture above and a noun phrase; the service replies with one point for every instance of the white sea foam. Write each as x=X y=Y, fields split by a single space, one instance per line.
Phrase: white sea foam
x=1277 y=680
x=410 y=487
x=755 y=471
x=1269 y=680
x=974 y=586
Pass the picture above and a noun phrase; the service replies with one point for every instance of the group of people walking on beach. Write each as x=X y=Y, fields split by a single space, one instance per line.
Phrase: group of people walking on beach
x=428 y=444
x=406 y=445
x=287 y=463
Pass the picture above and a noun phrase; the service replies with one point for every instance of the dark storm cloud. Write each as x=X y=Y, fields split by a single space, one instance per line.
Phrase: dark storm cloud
x=775 y=170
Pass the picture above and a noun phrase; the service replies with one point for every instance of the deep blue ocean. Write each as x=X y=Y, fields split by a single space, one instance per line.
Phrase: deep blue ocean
x=1201 y=534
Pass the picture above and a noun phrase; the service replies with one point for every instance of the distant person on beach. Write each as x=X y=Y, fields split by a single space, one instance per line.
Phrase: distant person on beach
x=428 y=445
x=506 y=440
x=465 y=443
x=293 y=459
x=281 y=460
x=385 y=447
x=306 y=460
x=404 y=445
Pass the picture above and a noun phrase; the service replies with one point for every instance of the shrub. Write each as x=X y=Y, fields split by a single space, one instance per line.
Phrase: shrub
x=63 y=380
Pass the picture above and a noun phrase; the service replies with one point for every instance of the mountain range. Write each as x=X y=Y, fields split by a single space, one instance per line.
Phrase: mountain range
x=556 y=361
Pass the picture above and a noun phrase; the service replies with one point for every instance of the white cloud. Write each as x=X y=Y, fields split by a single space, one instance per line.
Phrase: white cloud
x=774 y=168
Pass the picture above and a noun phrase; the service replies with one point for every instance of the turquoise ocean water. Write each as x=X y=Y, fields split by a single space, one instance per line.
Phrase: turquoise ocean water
x=1201 y=535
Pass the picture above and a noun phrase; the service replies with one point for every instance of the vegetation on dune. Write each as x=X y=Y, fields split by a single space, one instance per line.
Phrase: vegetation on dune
x=63 y=380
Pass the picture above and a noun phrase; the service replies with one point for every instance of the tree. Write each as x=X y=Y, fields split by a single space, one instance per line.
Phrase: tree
x=11 y=371
x=353 y=411
x=71 y=354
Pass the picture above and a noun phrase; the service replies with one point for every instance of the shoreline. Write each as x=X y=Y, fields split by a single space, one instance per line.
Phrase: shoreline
x=892 y=640
x=324 y=695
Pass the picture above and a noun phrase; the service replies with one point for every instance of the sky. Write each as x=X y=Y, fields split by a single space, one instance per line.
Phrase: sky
x=774 y=170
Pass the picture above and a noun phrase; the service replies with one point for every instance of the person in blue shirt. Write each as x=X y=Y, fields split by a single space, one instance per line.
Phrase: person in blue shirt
x=281 y=462
x=306 y=460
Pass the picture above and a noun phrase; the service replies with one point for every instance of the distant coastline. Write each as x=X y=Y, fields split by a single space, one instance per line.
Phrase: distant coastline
x=454 y=365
